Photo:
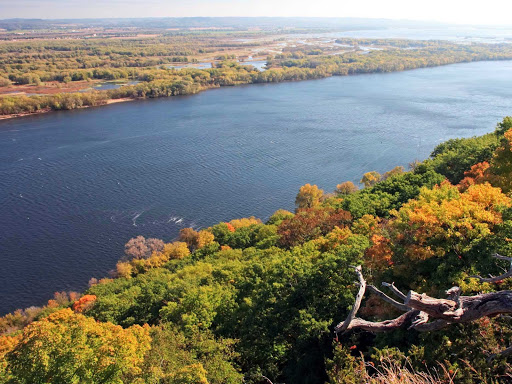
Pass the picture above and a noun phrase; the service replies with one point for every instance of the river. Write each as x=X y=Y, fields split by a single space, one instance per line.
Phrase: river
x=76 y=185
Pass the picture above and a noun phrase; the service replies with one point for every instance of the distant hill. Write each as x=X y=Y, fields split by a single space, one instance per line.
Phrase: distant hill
x=217 y=22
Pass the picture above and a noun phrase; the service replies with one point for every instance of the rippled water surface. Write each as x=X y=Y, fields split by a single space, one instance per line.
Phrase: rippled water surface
x=75 y=186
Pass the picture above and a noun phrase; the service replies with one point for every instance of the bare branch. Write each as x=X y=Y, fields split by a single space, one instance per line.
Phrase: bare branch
x=496 y=279
x=383 y=326
x=432 y=326
x=454 y=293
x=420 y=319
x=341 y=327
x=493 y=279
x=399 y=322
x=504 y=353
x=500 y=257
x=395 y=290
x=388 y=299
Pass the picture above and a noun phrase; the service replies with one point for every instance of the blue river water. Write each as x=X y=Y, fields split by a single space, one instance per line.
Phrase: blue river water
x=76 y=185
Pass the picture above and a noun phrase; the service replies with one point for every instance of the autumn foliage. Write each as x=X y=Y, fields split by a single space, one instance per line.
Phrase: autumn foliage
x=380 y=254
x=346 y=188
x=476 y=175
x=311 y=223
x=244 y=222
x=90 y=351
x=369 y=179
x=309 y=196
x=194 y=239
x=83 y=303
x=444 y=219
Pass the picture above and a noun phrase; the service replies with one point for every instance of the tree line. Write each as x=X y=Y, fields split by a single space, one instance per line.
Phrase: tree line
x=164 y=82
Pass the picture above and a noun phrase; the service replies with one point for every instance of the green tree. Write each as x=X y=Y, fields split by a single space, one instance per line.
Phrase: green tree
x=501 y=164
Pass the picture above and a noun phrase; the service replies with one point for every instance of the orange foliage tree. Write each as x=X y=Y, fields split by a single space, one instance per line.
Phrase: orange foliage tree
x=84 y=303
x=7 y=344
x=444 y=219
x=476 y=175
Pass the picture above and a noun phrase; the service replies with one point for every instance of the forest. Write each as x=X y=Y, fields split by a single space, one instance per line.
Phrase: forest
x=42 y=75
x=258 y=302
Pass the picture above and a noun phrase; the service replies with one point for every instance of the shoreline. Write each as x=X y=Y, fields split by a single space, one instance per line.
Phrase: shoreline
x=48 y=110
x=125 y=99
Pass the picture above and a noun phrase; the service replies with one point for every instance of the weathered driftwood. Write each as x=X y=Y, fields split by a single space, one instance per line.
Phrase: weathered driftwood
x=424 y=313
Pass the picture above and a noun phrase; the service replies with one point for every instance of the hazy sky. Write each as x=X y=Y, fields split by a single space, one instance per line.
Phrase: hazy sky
x=453 y=11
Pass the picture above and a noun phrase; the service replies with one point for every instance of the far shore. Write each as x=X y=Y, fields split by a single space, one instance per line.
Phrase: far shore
x=121 y=100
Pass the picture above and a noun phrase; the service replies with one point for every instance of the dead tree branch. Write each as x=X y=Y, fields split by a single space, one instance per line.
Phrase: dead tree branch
x=500 y=257
x=424 y=313
x=395 y=290
x=388 y=299
x=496 y=279
x=341 y=327
x=504 y=353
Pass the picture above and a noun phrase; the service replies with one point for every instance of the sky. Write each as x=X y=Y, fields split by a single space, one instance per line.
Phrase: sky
x=488 y=12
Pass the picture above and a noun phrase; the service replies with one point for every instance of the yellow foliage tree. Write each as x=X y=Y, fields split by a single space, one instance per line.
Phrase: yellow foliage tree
x=124 y=269
x=176 y=250
x=444 y=218
x=395 y=171
x=370 y=179
x=204 y=238
x=244 y=222
x=66 y=347
x=309 y=196
x=366 y=225
x=191 y=374
x=333 y=239
x=346 y=188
